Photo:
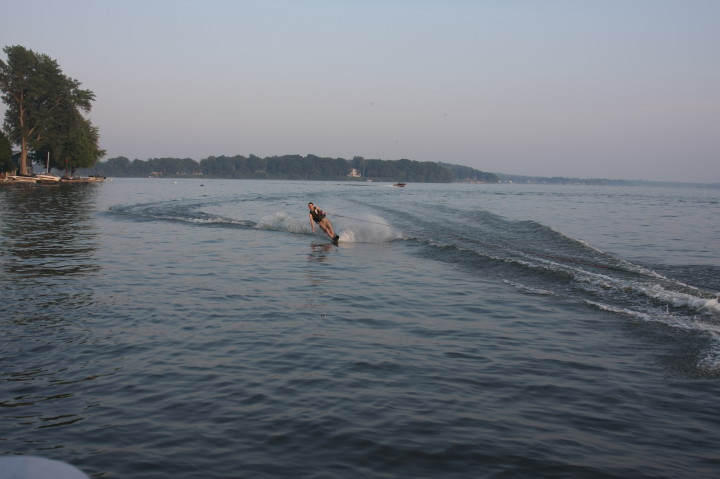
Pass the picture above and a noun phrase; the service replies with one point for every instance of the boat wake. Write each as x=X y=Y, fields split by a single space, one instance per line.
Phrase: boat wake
x=177 y=211
x=361 y=229
x=531 y=257
x=538 y=260
x=368 y=228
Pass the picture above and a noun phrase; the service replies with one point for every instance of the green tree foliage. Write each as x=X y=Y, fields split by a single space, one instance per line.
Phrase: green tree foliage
x=122 y=166
x=406 y=170
x=470 y=175
x=119 y=166
x=6 y=163
x=44 y=109
x=73 y=145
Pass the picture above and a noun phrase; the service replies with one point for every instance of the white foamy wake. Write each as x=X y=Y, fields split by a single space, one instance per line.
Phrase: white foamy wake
x=529 y=289
x=283 y=222
x=679 y=299
x=370 y=229
x=711 y=361
x=366 y=229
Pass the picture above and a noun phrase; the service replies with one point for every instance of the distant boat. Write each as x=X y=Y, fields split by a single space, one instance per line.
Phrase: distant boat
x=84 y=179
x=47 y=179
x=30 y=180
x=399 y=184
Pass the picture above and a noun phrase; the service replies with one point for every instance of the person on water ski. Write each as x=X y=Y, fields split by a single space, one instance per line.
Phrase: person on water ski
x=318 y=216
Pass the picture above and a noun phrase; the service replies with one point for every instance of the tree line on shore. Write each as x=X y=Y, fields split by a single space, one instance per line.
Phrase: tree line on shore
x=294 y=167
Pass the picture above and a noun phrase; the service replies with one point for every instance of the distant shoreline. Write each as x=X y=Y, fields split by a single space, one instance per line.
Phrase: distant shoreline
x=359 y=169
x=504 y=179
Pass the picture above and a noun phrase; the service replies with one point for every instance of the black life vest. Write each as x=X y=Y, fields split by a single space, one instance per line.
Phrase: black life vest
x=317 y=214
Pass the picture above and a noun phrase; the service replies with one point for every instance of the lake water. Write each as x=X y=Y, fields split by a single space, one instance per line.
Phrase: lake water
x=158 y=328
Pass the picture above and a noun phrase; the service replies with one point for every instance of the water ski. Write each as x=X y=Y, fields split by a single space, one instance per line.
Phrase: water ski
x=335 y=240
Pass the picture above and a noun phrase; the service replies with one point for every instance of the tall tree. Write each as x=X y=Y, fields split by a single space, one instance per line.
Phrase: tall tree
x=39 y=99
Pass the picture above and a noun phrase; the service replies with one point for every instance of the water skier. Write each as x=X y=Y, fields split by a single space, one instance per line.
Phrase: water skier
x=318 y=216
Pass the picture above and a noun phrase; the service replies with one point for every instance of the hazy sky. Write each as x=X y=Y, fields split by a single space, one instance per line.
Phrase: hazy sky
x=581 y=88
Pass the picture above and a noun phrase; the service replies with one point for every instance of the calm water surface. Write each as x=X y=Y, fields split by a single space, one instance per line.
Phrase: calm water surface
x=198 y=329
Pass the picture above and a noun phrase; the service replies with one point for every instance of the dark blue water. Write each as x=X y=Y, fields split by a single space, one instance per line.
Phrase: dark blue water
x=198 y=329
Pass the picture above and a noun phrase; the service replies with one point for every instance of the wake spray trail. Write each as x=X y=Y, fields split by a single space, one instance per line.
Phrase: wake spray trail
x=373 y=229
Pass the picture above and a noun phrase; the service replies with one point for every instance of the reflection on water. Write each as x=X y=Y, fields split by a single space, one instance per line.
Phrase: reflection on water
x=47 y=231
x=48 y=250
x=319 y=252
x=48 y=237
